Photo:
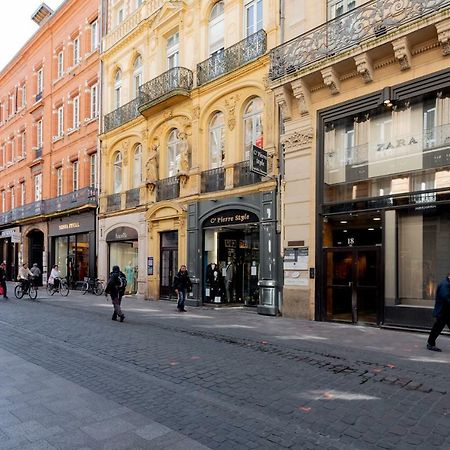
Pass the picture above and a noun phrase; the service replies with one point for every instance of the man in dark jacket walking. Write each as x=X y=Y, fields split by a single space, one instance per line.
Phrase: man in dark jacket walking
x=116 y=289
x=182 y=284
x=441 y=312
x=3 y=278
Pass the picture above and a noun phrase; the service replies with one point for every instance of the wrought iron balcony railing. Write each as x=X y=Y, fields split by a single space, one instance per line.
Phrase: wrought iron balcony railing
x=121 y=115
x=213 y=180
x=232 y=58
x=29 y=210
x=5 y=218
x=176 y=81
x=368 y=21
x=243 y=176
x=113 y=202
x=132 y=198
x=167 y=189
x=75 y=199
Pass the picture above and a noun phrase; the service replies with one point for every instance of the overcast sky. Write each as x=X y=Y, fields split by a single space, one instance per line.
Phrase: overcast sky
x=16 y=26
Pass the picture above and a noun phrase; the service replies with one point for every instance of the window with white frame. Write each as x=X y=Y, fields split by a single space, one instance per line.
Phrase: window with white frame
x=338 y=7
x=216 y=38
x=23 y=143
x=137 y=166
x=94 y=101
x=3 y=201
x=40 y=80
x=117 y=88
x=117 y=187
x=253 y=16
x=76 y=51
x=22 y=193
x=173 y=153
x=76 y=112
x=13 y=198
x=1 y=112
x=216 y=140
x=38 y=187
x=93 y=170
x=137 y=75
x=13 y=149
x=60 y=120
x=60 y=59
x=253 y=126
x=11 y=100
x=39 y=137
x=173 y=47
x=23 y=95
x=94 y=35
x=59 y=181
x=3 y=154
x=75 y=176
x=138 y=3
x=120 y=16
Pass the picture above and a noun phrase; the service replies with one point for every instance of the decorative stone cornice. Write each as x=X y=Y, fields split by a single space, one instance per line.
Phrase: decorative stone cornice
x=331 y=79
x=443 y=32
x=297 y=140
x=283 y=100
x=364 y=67
x=402 y=53
x=301 y=93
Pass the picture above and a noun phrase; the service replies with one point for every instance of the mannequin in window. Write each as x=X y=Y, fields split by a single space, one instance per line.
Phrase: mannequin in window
x=129 y=273
x=213 y=278
x=229 y=277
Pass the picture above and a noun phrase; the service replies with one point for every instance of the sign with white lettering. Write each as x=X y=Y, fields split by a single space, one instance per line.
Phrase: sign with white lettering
x=230 y=217
x=258 y=161
x=122 y=234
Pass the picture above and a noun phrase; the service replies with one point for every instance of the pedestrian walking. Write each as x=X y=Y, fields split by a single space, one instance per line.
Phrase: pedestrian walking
x=36 y=274
x=115 y=288
x=441 y=312
x=3 y=279
x=182 y=284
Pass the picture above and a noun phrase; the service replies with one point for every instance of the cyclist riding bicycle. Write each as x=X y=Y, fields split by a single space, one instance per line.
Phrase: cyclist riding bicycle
x=24 y=276
x=55 y=277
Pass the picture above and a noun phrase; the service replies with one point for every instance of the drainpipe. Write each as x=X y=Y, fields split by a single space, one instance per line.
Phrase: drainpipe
x=282 y=20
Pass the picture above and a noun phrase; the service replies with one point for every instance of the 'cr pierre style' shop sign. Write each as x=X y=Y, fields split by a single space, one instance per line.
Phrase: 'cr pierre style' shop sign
x=231 y=217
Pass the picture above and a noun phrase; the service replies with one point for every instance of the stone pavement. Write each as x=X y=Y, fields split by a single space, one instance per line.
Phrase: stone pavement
x=227 y=378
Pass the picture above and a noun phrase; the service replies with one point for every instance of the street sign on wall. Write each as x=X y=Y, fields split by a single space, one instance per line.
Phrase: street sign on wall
x=258 y=161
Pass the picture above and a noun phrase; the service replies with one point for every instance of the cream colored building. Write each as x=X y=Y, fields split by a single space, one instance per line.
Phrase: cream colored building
x=364 y=91
x=185 y=99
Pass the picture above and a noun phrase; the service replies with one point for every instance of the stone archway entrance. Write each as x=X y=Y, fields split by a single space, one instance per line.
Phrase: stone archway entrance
x=36 y=249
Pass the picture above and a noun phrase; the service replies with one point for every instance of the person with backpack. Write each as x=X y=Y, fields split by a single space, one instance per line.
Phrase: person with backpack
x=182 y=284
x=116 y=288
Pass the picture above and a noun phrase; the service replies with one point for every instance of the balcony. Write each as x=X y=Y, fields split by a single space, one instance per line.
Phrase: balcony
x=172 y=84
x=121 y=115
x=372 y=20
x=147 y=9
x=132 y=198
x=232 y=58
x=243 y=176
x=85 y=196
x=113 y=202
x=29 y=210
x=213 y=180
x=5 y=218
x=167 y=189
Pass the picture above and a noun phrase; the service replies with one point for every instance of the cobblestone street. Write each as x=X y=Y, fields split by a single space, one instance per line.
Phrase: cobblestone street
x=211 y=378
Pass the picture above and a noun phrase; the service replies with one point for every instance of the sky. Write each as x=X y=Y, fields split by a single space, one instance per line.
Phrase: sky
x=16 y=26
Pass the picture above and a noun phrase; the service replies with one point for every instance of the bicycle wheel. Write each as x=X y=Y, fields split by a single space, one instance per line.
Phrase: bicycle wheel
x=32 y=292
x=50 y=290
x=64 y=289
x=85 y=287
x=18 y=291
x=98 y=288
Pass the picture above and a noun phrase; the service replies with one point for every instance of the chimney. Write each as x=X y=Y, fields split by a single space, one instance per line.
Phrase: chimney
x=42 y=14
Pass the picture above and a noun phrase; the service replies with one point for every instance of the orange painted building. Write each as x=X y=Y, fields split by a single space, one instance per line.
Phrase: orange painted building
x=49 y=104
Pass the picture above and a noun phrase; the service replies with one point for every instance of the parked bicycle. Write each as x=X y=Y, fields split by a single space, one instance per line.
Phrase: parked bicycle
x=93 y=285
x=62 y=287
x=23 y=288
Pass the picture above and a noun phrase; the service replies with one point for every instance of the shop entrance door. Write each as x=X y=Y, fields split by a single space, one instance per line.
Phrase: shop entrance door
x=352 y=284
x=168 y=262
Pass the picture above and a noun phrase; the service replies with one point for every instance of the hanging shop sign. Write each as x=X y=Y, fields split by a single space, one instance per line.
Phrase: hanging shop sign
x=122 y=234
x=258 y=161
x=231 y=217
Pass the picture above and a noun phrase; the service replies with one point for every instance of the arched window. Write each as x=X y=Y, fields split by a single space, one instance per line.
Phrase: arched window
x=117 y=88
x=253 y=126
x=173 y=153
x=117 y=173
x=216 y=140
x=216 y=38
x=137 y=166
x=137 y=75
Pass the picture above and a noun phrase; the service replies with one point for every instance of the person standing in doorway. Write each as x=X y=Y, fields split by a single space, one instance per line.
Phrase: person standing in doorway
x=116 y=290
x=182 y=284
x=441 y=312
x=3 y=279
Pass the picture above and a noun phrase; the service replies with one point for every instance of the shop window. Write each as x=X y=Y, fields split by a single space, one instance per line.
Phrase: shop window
x=253 y=18
x=253 y=126
x=216 y=37
x=137 y=166
x=117 y=173
x=216 y=141
x=117 y=88
x=173 y=153
x=137 y=75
